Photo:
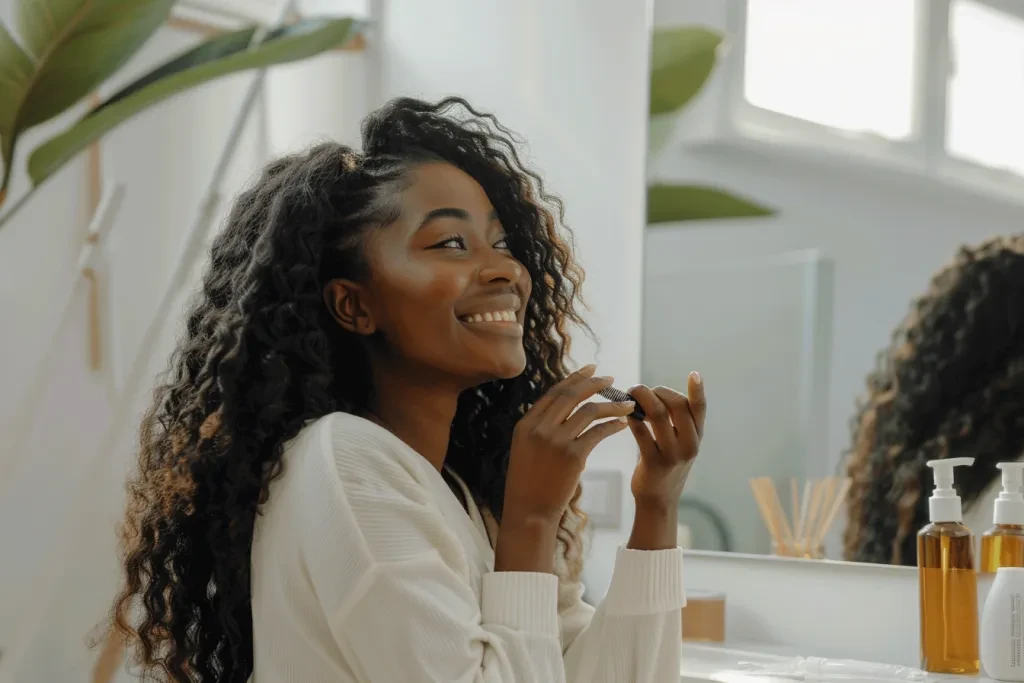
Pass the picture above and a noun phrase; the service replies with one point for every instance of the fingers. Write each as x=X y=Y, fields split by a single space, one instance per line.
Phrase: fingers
x=682 y=419
x=698 y=402
x=589 y=439
x=643 y=436
x=657 y=414
x=589 y=412
x=545 y=401
x=569 y=396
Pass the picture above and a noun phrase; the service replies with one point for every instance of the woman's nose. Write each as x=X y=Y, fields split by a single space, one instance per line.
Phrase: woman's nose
x=501 y=269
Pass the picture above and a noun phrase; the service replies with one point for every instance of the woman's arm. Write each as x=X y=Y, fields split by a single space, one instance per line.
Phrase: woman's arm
x=635 y=635
x=418 y=621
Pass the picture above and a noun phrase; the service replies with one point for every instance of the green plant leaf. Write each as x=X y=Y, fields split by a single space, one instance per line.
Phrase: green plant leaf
x=217 y=47
x=674 y=203
x=67 y=49
x=200 y=65
x=682 y=59
x=15 y=72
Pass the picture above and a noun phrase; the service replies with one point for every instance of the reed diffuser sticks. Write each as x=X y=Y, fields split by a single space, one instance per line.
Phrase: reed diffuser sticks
x=811 y=513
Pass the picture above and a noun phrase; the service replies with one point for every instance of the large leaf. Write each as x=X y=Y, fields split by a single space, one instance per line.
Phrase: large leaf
x=218 y=47
x=215 y=58
x=682 y=59
x=15 y=72
x=68 y=48
x=674 y=203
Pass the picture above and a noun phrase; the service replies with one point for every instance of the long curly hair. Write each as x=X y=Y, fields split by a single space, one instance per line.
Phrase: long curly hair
x=951 y=384
x=260 y=357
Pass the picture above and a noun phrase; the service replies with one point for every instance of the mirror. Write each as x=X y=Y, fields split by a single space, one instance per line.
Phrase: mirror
x=871 y=316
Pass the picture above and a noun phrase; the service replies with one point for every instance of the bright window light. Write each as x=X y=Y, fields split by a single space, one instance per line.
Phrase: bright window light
x=846 y=64
x=986 y=91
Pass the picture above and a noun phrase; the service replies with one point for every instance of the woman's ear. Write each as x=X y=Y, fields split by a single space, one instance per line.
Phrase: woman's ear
x=346 y=303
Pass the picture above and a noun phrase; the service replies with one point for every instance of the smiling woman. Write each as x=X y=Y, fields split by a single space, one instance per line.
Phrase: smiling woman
x=444 y=273
x=366 y=461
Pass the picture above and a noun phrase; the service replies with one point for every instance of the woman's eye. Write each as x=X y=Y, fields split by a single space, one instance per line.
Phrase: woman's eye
x=453 y=242
x=502 y=243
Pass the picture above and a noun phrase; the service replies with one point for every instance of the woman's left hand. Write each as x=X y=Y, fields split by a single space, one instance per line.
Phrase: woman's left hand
x=666 y=456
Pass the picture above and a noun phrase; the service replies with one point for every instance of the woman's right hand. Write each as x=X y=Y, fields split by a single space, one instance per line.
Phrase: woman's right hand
x=550 y=445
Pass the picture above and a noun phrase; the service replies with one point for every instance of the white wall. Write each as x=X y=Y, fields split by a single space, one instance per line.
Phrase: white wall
x=569 y=76
x=323 y=98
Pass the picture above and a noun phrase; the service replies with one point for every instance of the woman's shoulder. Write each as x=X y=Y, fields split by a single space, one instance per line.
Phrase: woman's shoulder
x=356 y=453
x=351 y=479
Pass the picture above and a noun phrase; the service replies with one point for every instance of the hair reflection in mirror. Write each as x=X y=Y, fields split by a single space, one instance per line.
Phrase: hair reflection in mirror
x=950 y=384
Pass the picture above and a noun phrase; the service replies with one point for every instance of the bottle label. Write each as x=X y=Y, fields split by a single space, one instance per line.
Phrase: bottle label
x=1016 y=631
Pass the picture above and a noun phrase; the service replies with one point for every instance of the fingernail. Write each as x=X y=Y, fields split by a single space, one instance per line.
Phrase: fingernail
x=628 y=404
x=607 y=378
x=621 y=419
x=695 y=376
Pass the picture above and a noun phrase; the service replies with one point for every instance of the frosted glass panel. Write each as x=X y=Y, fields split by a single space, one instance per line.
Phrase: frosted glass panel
x=756 y=337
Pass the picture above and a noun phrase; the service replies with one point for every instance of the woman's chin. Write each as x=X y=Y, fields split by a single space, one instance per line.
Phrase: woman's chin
x=507 y=368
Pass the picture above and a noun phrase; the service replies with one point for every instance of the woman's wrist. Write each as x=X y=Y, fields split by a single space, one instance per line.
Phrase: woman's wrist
x=526 y=544
x=655 y=525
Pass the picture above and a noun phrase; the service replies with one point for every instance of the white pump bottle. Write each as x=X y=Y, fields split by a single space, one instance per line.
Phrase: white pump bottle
x=1003 y=544
x=1002 y=552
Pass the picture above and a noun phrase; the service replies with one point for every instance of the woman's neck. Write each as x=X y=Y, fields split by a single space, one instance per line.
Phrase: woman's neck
x=420 y=413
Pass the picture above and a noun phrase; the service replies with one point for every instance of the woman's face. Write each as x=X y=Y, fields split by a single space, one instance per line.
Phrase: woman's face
x=445 y=293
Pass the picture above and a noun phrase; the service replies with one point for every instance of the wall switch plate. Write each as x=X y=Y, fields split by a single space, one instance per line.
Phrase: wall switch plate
x=602 y=498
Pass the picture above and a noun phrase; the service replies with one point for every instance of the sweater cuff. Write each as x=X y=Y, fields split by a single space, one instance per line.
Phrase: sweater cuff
x=521 y=601
x=646 y=582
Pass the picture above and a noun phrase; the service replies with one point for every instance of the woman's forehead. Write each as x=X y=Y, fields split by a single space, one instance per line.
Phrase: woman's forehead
x=437 y=185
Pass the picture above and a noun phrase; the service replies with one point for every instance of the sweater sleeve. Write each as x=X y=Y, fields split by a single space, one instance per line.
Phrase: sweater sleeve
x=635 y=634
x=394 y=586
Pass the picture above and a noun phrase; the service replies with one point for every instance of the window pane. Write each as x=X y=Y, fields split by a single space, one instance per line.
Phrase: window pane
x=986 y=91
x=847 y=64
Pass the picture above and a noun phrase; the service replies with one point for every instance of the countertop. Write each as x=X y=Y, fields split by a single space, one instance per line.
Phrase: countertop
x=738 y=663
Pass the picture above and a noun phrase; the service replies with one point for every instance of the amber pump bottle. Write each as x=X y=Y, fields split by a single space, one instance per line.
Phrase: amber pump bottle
x=1003 y=544
x=947 y=579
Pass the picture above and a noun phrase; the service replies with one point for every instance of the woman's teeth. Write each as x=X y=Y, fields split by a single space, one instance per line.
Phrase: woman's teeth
x=495 y=317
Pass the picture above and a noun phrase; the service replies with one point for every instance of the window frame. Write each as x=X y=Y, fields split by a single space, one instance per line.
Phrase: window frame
x=923 y=154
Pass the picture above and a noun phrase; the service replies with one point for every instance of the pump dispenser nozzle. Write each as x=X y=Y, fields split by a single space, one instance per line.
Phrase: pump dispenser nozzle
x=1010 y=503
x=944 y=505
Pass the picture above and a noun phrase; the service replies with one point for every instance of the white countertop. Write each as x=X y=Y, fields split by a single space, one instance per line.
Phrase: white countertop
x=737 y=663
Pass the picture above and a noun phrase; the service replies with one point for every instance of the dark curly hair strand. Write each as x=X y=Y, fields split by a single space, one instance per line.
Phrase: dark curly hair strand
x=951 y=384
x=261 y=357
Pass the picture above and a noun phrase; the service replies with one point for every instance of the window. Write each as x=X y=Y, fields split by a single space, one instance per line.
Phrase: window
x=845 y=64
x=985 y=100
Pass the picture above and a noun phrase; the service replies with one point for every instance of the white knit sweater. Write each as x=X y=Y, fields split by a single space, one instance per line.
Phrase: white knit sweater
x=366 y=568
